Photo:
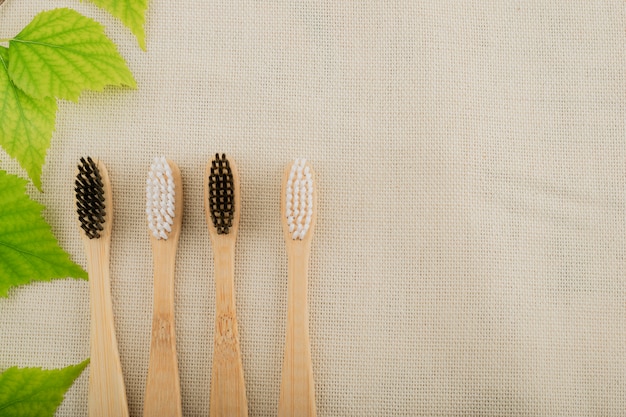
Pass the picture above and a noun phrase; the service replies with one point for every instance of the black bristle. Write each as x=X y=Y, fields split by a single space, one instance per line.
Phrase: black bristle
x=90 y=198
x=221 y=194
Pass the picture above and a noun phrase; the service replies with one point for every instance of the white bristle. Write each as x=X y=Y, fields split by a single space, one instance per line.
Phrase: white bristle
x=299 y=199
x=160 y=198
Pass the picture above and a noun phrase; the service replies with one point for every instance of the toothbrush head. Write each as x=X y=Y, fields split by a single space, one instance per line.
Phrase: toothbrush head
x=221 y=199
x=160 y=198
x=92 y=193
x=299 y=199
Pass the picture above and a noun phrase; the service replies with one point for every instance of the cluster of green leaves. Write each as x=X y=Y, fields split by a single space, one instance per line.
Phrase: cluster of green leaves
x=57 y=55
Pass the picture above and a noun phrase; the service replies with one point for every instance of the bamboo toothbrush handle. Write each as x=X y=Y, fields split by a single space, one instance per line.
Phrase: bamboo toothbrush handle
x=228 y=390
x=297 y=390
x=163 y=384
x=107 y=394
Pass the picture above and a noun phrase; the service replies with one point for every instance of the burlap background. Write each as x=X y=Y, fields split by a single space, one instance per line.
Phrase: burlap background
x=469 y=257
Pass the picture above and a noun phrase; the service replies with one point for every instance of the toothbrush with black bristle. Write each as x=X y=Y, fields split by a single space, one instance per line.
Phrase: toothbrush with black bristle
x=298 y=214
x=223 y=206
x=107 y=393
x=164 y=210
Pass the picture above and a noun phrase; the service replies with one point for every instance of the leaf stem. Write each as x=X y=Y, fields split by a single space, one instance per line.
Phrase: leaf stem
x=6 y=40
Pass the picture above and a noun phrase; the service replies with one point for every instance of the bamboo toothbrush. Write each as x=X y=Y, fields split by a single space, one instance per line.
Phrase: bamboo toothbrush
x=223 y=206
x=107 y=394
x=298 y=213
x=164 y=209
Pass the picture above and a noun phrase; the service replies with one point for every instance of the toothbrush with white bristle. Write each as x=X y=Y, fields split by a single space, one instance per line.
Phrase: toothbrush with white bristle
x=164 y=209
x=298 y=213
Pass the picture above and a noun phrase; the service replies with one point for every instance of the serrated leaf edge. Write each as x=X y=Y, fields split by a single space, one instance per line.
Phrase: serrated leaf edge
x=79 y=366
x=132 y=83
x=35 y=173
x=45 y=225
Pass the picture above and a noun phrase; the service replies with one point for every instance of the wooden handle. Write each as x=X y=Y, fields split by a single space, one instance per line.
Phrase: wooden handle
x=297 y=389
x=107 y=394
x=228 y=390
x=163 y=384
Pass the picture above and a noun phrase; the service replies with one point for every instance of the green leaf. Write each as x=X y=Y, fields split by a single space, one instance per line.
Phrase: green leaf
x=28 y=250
x=27 y=123
x=33 y=392
x=60 y=53
x=131 y=12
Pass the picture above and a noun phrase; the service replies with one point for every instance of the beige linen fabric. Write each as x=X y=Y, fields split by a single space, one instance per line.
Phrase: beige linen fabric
x=470 y=248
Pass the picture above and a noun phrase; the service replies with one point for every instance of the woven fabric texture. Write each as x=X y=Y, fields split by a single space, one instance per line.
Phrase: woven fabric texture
x=469 y=254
